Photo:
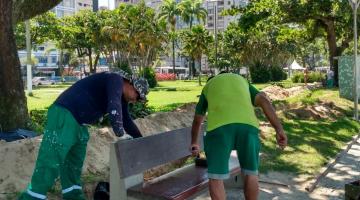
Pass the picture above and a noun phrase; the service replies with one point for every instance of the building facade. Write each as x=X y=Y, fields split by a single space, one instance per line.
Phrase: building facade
x=117 y=2
x=216 y=21
x=83 y=4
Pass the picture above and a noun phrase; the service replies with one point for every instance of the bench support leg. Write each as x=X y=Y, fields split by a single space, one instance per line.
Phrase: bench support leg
x=119 y=186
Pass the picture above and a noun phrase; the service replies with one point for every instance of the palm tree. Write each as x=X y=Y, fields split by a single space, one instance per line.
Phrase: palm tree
x=189 y=11
x=169 y=11
x=136 y=33
x=195 y=43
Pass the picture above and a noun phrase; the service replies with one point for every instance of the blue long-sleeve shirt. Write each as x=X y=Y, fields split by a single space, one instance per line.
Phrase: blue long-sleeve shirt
x=92 y=97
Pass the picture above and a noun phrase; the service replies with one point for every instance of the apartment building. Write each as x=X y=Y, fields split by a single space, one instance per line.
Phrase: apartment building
x=83 y=4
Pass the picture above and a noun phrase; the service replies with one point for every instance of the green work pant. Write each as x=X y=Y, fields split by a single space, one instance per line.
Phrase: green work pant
x=62 y=152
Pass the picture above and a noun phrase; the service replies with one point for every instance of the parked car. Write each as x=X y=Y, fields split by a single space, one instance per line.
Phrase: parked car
x=36 y=81
x=57 y=79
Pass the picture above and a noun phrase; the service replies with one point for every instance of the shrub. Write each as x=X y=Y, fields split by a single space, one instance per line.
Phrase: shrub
x=38 y=120
x=260 y=73
x=150 y=76
x=124 y=66
x=312 y=77
x=277 y=73
x=140 y=110
x=315 y=77
x=165 y=77
x=297 y=76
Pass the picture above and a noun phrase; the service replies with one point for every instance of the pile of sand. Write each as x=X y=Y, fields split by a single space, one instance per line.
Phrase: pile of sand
x=18 y=158
x=279 y=93
x=320 y=110
x=276 y=92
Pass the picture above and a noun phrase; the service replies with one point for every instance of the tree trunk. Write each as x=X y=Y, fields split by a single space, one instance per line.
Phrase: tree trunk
x=91 y=61
x=200 y=72
x=61 y=65
x=331 y=40
x=13 y=107
x=193 y=67
x=173 y=55
x=96 y=61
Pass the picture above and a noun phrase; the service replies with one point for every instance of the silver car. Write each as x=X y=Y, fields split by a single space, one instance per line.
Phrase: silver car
x=36 y=81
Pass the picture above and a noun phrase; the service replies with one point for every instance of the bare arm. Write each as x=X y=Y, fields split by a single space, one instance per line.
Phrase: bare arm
x=264 y=103
x=195 y=130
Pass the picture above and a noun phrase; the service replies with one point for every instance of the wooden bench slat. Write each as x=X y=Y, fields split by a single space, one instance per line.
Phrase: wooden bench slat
x=180 y=185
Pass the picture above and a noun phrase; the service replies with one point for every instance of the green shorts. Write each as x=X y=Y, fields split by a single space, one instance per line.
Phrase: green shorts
x=221 y=141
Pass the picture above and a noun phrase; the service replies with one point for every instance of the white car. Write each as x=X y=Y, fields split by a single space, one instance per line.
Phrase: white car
x=36 y=81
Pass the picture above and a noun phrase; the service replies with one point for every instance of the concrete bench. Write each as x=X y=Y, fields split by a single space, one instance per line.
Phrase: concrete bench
x=130 y=158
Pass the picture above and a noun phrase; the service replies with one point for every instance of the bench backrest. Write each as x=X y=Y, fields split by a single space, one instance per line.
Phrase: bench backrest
x=138 y=155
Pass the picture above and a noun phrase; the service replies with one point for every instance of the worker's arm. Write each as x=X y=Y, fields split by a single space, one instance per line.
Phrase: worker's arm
x=200 y=112
x=195 y=130
x=129 y=125
x=262 y=101
x=114 y=90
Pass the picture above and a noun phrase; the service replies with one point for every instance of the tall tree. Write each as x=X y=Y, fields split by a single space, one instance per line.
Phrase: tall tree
x=191 y=10
x=136 y=34
x=329 y=19
x=44 y=27
x=195 y=43
x=13 y=107
x=169 y=11
x=82 y=32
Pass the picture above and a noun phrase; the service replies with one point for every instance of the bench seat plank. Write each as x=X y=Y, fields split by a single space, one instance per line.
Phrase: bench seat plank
x=180 y=185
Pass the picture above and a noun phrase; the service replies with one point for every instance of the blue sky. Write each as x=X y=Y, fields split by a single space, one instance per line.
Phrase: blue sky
x=106 y=2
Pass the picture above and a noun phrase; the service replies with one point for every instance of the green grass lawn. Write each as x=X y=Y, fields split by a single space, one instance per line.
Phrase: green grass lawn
x=311 y=143
x=167 y=96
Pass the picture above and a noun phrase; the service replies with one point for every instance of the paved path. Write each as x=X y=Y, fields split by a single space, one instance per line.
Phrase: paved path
x=330 y=187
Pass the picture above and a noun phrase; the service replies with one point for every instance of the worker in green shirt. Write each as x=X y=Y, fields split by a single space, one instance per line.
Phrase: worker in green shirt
x=232 y=125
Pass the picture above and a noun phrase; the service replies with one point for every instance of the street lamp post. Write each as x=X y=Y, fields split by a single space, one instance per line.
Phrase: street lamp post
x=215 y=32
x=355 y=5
x=28 y=60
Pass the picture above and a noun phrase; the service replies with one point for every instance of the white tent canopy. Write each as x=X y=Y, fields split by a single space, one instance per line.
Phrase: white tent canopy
x=295 y=66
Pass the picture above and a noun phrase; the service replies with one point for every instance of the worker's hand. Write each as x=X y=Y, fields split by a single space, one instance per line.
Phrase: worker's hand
x=281 y=138
x=120 y=132
x=195 y=149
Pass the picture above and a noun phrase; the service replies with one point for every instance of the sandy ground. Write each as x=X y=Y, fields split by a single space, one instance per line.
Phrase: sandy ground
x=18 y=158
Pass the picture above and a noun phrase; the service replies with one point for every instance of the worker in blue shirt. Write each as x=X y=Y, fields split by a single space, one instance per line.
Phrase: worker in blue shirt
x=63 y=148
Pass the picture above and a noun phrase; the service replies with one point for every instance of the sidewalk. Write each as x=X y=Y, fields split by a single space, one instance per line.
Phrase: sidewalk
x=330 y=187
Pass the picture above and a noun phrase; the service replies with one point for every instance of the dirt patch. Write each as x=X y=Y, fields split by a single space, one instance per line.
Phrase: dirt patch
x=279 y=93
x=320 y=110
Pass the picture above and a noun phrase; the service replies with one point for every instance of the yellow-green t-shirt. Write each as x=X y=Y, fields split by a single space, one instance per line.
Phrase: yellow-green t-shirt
x=228 y=98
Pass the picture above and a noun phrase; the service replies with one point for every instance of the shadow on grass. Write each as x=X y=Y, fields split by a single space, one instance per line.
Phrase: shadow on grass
x=310 y=145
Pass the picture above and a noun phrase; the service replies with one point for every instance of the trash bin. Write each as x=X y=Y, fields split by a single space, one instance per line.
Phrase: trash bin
x=102 y=191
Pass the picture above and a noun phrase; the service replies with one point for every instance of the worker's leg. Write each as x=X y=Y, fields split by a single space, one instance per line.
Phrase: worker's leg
x=248 y=147
x=217 y=190
x=218 y=145
x=251 y=187
x=51 y=154
x=70 y=172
